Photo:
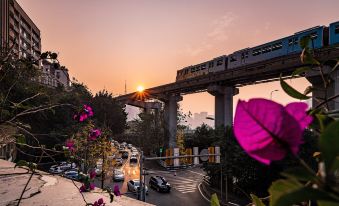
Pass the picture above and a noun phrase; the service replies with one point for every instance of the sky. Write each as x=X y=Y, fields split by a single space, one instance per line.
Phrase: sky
x=104 y=43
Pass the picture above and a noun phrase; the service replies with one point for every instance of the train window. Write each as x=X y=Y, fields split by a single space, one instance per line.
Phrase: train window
x=314 y=35
x=336 y=30
x=266 y=49
x=256 y=52
x=210 y=64
x=277 y=46
x=233 y=59
x=290 y=42
x=219 y=62
x=203 y=66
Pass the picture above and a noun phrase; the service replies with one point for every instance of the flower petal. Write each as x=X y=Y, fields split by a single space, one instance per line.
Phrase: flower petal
x=262 y=127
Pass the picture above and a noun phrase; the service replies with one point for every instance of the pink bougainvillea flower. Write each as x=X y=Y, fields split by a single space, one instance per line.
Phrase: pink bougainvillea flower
x=267 y=131
x=85 y=113
x=95 y=133
x=88 y=110
x=91 y=186
x=100 y=202
x=70 y=144
x=82 y=188
x=116 y=190
x=92 y=174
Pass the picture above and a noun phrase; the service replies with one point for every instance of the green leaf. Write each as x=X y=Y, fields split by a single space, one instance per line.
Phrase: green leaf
x=308 y=90
x=256 y=201
x=21 y=163
x=300 y=70
x=329 y=141
x=291 y=91
x=299 y=173
x=289 y=192
x=304 y=41
x=214 y=200
x=323 y=121
x=20 y=138
x=307 y=58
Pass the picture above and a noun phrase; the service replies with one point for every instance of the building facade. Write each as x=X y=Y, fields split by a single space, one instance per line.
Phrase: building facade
x=54 y=75
x=17 y=30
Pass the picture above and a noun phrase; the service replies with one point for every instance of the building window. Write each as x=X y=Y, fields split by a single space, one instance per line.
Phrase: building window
x=210 y=64
x=203 y=66
x=219 y=62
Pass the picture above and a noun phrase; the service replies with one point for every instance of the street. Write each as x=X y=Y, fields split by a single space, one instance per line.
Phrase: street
x=184 y=185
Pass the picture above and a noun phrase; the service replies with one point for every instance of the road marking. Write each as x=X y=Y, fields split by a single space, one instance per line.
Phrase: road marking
x=203 y=194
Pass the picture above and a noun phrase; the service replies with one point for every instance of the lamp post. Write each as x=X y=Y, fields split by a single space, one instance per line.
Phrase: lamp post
x=272 y=93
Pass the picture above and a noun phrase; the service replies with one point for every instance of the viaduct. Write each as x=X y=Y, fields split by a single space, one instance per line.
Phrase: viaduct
x=224 y=85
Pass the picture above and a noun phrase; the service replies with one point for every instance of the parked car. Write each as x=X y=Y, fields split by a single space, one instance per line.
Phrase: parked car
x=133 y=160
x=133 y=186
x=124 y=155
x=118 y=175
x=119 y=161
x=159 y=183
x=129 y=146
x=55 y=169
x=72 y=174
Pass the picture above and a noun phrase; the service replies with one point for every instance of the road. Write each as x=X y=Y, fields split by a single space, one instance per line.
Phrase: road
x=184 y=185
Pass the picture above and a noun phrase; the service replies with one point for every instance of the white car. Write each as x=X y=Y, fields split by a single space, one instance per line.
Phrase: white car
x=55 y=169
x=118 y=175
x=133 y=186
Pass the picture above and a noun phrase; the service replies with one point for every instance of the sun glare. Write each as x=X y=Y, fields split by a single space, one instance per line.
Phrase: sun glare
x=140 y=88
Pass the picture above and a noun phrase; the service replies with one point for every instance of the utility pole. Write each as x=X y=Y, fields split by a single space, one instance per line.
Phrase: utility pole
x=140 y=179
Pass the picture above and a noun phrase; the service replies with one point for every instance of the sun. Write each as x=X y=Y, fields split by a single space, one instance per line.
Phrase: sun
x=140 y=88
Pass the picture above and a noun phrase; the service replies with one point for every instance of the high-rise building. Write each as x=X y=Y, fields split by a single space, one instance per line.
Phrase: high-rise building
x=18 y=30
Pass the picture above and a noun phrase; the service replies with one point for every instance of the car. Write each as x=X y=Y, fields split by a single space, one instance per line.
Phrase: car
x=119 y=161
x=133 y=186
x=133 y=160
x=55 y=169
x=159 y=183
x=72 y=174
x=129 y=146
x=124 y=155
x=118 y=175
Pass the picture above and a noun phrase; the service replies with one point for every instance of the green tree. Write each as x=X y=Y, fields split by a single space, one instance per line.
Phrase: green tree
x=109 y=114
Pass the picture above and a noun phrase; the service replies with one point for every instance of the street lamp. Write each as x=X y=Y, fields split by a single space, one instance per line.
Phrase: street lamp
x=272 y=93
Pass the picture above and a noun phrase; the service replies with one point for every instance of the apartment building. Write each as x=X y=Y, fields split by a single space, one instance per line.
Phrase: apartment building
x=18 y=30
x=54 y=75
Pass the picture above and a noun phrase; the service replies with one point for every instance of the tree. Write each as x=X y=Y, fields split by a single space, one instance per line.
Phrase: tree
x=109 y=114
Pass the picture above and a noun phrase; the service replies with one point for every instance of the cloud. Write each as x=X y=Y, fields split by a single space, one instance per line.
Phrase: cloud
x=220 y=26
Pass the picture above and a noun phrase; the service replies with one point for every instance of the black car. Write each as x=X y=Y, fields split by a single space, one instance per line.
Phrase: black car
x=124 y=155
x=159 y=184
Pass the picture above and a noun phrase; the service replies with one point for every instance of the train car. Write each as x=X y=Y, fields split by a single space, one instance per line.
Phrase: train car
x=280 y=47
x=214 y=65
x=334 y=33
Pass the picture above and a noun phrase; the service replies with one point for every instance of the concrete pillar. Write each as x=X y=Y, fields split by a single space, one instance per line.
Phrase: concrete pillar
x=319 y=93
x=170 y=115
x=223 y=104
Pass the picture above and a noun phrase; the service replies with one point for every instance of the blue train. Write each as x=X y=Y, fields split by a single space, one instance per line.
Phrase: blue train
x=321 y=36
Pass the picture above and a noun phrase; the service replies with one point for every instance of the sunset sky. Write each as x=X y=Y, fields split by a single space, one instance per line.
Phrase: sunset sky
x=105 y=42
